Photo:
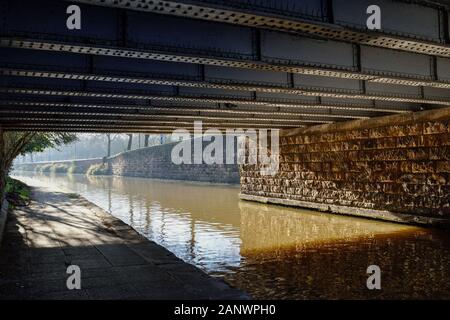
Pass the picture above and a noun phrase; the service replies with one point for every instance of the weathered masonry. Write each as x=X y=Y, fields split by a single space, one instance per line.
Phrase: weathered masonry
x=155 y=162
x=393 y=168
x=152 y=162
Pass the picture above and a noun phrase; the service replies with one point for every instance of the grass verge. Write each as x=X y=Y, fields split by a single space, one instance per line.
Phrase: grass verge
x=17 y=193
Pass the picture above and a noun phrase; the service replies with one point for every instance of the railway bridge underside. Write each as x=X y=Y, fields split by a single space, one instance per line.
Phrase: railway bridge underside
x=364 y=113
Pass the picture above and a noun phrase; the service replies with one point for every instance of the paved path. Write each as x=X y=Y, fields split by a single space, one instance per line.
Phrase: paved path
x=58 y=230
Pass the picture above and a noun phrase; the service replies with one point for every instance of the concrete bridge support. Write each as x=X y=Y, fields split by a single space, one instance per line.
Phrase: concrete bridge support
x=392 y=168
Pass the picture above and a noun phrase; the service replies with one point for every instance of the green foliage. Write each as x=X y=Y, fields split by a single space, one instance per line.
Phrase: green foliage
x=17 y=193
x=74 y=169
x=98 y=170
x=20 y=143
x=69 y=168
x=60 y=168
x=43 y=140
x=13 y=144
x=45 y=168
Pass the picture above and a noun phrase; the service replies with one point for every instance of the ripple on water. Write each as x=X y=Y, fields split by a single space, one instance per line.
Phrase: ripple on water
x=272 y=252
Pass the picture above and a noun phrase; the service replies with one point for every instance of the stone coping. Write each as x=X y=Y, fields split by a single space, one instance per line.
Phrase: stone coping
x=390 y=120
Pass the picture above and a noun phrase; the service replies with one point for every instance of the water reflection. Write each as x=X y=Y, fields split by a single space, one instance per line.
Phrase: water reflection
x=269 y=229
x=272 y=251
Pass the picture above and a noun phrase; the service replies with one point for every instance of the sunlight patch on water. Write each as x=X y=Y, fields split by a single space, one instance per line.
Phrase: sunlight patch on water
x=270 y=251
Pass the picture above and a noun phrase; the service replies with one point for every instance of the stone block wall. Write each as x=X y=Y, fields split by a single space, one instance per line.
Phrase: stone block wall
x=155 y=162
x=394 y=168
x=81 y=165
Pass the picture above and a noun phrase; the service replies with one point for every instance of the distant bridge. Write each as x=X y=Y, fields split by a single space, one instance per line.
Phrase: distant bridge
x=152 y=66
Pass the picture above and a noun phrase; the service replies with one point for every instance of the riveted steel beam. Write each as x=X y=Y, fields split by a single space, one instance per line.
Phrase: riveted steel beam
x=176 y=119
x=225 y=12
x=412 y=70
x=200 y=115
x=106 y=129
x=71 y=127
x=182 y=99
x=398 y=95
x=50 y=121
x=61 y=123
x=371 y=74
x=345 y=111
x=186 y=40
x=102 y=125
x=127 y=118
x=402 y=81
x=142 y=111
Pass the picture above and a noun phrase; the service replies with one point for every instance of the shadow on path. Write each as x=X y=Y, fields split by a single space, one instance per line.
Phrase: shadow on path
x=58 y=230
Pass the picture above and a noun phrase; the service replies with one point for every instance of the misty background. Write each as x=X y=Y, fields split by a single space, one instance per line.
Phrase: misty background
x=99 y=145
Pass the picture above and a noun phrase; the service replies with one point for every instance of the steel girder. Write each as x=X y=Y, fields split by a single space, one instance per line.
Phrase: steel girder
x=27 y=60
x=366 y=63
x=108 y=128
x=344 y=110
x=177 y=66
x=365 y=91
x=89 y=114
x=406 y=26
x=56 y=121
x=173 y=113
x=98 y=129
x=290 y=104
x=133 y=34
x=268 y=86
x=142 y=110
x=18 y=119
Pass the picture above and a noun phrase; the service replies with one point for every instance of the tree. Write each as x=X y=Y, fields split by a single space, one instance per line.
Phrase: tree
x=130 y=142
x=110 y=138
x=108 y=153
x=13 y=144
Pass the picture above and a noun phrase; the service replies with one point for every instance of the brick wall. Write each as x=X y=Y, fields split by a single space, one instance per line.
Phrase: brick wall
x=155 y=162
x=395 y=168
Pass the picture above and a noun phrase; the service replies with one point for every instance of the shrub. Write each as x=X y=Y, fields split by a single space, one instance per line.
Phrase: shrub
x=17 y=193
x=74 y=169
x=59 y=168
x=45 y=168
x=98 y=170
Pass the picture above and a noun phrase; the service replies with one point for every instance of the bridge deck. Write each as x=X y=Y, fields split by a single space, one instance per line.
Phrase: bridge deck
x=152 y=66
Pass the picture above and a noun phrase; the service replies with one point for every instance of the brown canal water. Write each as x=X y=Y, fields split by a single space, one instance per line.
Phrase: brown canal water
x=272 y=252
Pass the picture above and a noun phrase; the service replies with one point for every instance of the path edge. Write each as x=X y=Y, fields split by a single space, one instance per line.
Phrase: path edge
x=3 y=218
x=123 y=230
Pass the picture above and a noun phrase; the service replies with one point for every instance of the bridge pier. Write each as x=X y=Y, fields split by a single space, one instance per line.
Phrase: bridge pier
x=393 y=168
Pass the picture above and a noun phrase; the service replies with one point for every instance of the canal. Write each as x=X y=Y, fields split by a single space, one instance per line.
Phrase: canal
x=269 y=251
